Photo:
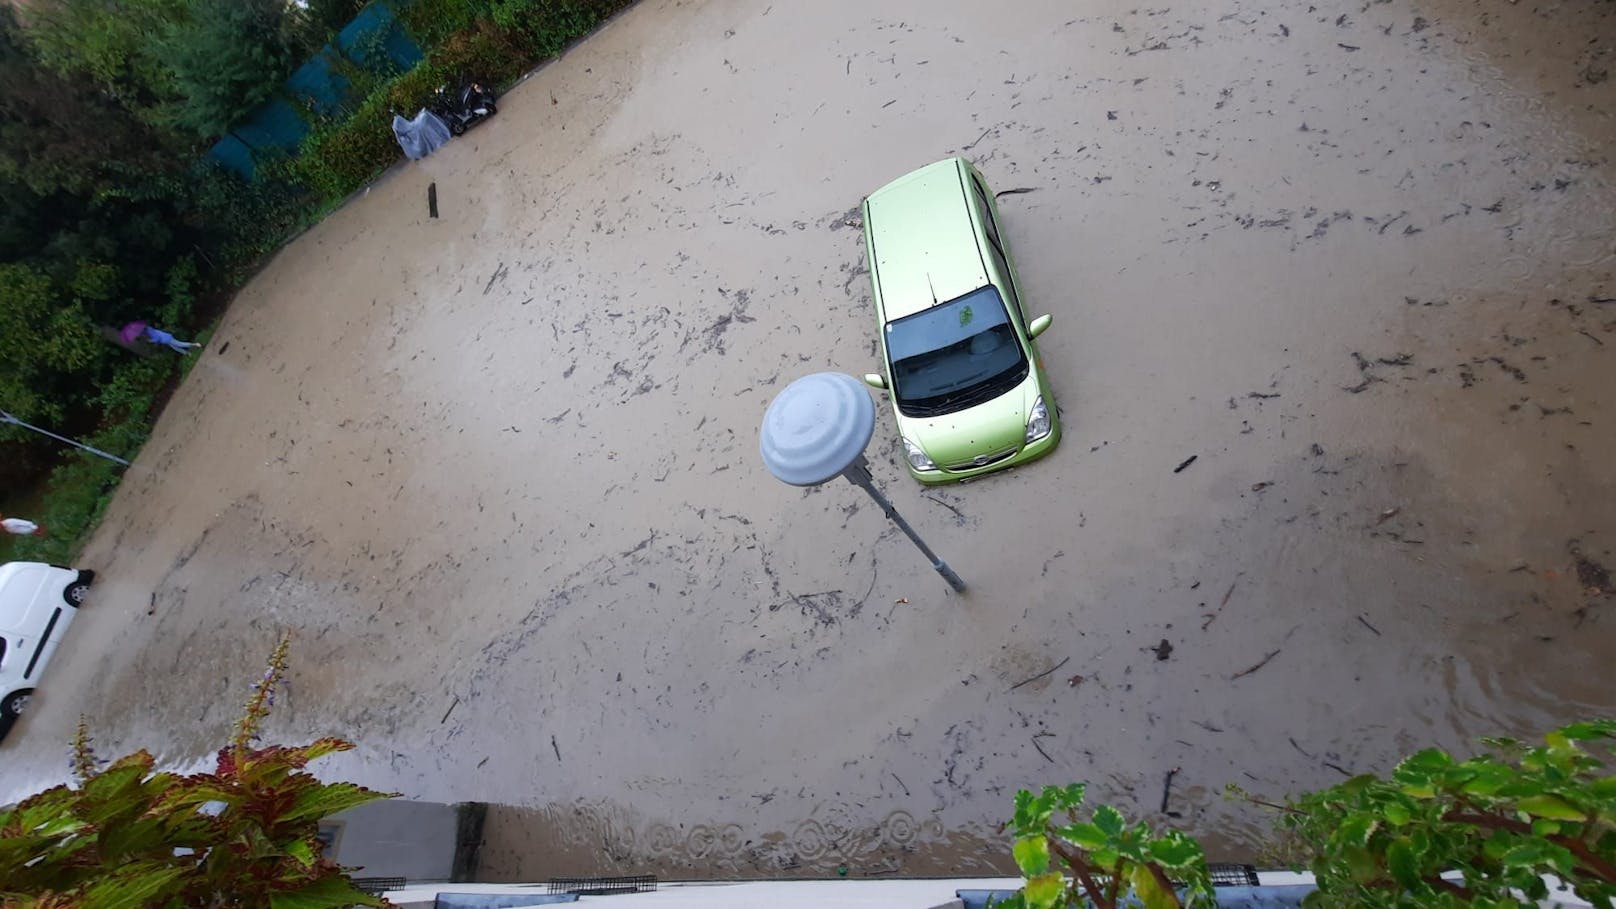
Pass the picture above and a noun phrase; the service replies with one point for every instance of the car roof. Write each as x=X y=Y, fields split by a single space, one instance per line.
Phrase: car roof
x=925 y=245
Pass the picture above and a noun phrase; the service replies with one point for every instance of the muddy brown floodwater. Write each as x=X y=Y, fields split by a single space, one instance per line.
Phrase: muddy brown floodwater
x=498 y=470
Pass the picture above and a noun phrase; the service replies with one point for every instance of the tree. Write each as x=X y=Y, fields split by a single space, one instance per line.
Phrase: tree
x=61 y=133
x=111 y=43
x=1482 y=832
x=41 y=343
x=130 y=835
x=227 y=58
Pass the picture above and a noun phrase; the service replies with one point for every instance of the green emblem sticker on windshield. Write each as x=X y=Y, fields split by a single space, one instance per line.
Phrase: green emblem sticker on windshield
x=965 y=316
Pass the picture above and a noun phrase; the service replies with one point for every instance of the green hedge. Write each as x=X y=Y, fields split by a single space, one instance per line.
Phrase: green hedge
x=493 y=41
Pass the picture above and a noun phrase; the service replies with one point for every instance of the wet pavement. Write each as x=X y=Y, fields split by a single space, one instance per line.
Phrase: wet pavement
x=498 y=470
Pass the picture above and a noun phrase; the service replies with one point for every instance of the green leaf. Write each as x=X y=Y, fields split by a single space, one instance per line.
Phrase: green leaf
x=1149 y=890
x=1032 y=854
x=1402 y=863
x=1544 y=827
x=1109 y=820
x=302 y=852
x=1070 y=797
x=1175 y=850
x=1551 y=806
x=1360 y=865
x=1024 y=821
x=1417 y=773
x=1396 y=814
x=324 y=800
x=1357 y=829
x=1590 y=730
x=1087 y=836
x=333 y=892
x=133 y=886
x=1042 y=892
x=1534 y=854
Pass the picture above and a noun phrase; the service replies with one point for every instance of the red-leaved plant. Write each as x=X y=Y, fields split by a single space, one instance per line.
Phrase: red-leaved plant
x=129 y=835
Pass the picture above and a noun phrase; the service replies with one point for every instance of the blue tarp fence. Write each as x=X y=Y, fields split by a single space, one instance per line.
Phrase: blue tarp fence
x=375 y=41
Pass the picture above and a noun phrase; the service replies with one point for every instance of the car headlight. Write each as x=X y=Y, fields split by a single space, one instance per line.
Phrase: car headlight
x=917 y=458
x=1037 y=421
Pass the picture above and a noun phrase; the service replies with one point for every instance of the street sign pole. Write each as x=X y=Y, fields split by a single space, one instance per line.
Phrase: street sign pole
x=817 y=428
x=858 y=473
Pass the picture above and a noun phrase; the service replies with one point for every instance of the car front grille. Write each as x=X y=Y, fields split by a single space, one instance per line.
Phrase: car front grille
x=981 y=461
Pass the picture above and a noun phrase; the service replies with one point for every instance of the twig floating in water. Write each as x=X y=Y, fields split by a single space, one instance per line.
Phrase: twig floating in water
x=957 y=513
x=1015 y=192
x=981 y=137
x=1040 y=675
x=452 y=706
x=1041 y=749
x=1299 y=750
x=1185 y=463
x=1260 y=664
x=556 y=747
x=432 y=199
x=1167 y=791
x=1369 y=626
x=900 y=783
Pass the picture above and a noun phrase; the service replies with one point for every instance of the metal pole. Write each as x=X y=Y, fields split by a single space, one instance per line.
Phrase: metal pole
x=8 y=418
x=858 y=474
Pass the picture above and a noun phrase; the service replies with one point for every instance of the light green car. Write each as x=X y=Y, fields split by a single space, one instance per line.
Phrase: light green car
x=967 y=384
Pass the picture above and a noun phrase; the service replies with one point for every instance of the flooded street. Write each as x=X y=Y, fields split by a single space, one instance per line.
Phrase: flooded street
x=498 y=470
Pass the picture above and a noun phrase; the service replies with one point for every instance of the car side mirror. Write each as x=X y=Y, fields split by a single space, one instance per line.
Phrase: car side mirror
x=1040 y=325
x=875 y=380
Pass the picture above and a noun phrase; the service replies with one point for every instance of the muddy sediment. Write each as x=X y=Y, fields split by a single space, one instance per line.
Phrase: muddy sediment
x=497 y=469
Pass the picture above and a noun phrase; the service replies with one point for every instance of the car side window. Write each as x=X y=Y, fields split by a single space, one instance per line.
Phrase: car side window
x=987 y=216
x=1009 y=284
x=997 y=250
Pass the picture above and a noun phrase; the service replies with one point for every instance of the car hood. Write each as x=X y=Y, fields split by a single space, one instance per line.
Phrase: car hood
x=993 y=427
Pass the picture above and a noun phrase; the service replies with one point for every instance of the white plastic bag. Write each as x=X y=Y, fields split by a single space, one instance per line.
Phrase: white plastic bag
x=422 y=135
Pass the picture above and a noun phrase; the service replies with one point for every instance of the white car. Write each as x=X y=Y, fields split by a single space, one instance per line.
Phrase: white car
x=37 y=603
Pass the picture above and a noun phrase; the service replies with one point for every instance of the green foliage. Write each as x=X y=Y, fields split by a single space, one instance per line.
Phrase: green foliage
x=1500 y=820
x=227 y=58
x=131 y=835
x=338 y=158
x=1112 y=863
x=432 y=21
x=111 y=42
x=546 y=27
x=41 y=339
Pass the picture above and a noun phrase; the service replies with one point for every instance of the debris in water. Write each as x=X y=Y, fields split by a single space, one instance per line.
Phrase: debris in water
x=1040 y=675
x=1167 y=791
x=1259 y=664
x=1185 y=463
x=432 y=199
x=1387 y=515
x=1162 y=650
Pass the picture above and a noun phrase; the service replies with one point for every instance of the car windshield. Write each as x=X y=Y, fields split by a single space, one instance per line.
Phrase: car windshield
x=954 y=355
